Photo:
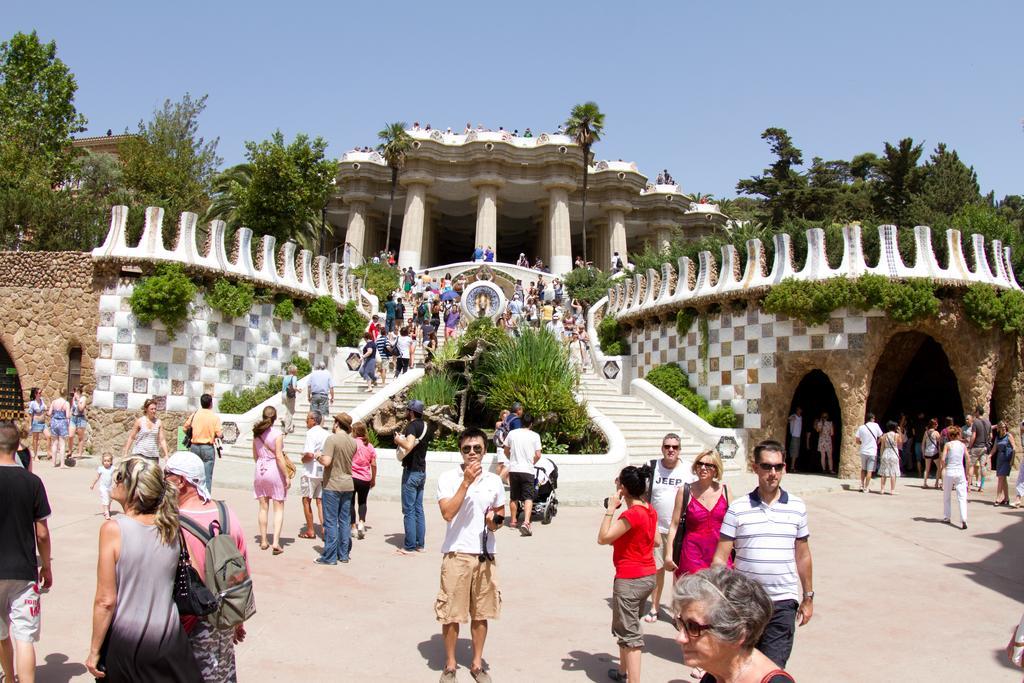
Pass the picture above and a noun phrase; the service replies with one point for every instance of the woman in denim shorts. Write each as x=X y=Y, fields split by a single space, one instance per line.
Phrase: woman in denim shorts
x=37 y=417
x=79 y=422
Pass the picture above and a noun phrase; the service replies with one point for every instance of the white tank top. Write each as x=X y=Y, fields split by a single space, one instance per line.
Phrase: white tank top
x=955 y=456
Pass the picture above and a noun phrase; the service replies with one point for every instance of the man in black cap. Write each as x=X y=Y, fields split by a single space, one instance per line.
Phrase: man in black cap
x=413 y=443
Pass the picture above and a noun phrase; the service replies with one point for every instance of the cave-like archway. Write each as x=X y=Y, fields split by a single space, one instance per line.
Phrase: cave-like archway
x=816 y=395
x=12 y=402
x=914 y=376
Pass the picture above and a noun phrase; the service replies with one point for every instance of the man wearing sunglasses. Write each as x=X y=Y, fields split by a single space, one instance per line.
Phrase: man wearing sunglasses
x=472 y=502
x=768 y=530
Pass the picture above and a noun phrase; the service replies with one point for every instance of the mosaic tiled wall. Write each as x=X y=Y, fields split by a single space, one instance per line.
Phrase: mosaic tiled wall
x=209 y=355
x=743 y=352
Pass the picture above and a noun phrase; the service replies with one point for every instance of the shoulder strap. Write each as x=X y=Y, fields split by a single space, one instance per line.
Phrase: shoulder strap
x=423 y=434
x=776 y=672
x=650 y=483
x=222 y=517
x=725 y=492
x=193 y=528
x=686 y=503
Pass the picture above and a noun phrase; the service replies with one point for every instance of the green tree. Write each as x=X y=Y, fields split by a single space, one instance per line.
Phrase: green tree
x=37 y=111
x=898 y=181
x=947 y=186
x=283 y=188
x=395 y=143
x=780 y=184
x=585 y=125
x=168 y=164
x=226 y=189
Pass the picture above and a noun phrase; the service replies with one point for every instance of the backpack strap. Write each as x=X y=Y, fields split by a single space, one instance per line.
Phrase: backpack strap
x=193 y=528
x=222 y=517
x=650 y=483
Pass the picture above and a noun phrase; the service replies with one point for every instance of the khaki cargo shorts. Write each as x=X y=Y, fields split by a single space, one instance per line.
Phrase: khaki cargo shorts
x=628 y=597
x=659 y=551
x=469 y=590
x=979 y=456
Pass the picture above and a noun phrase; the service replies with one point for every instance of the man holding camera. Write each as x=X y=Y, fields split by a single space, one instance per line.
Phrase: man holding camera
x=472 y=502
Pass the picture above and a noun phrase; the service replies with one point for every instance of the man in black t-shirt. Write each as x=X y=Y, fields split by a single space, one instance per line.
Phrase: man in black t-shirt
x=413 y=440
x=22 y=528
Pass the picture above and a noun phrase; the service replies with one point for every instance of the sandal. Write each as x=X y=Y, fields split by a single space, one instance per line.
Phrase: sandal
x=616 y=675
x=277 y=551
x=264 y=546
x=651 y=617
x=306 y=534
x=480 y=676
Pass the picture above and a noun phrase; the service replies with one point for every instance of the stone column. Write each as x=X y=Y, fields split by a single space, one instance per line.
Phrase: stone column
x=559 y=237
x=355 y=233
x=616 y=211
x=428 y=252
x=487 y=212
x=602 y=255
x=662 y=231
x=411 y=247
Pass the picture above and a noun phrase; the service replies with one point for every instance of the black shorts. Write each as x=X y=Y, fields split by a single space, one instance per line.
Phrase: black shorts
x=521 y=487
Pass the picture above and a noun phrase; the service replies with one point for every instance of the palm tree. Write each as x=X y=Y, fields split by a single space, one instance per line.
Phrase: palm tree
x=585 y=125
x=395 y=143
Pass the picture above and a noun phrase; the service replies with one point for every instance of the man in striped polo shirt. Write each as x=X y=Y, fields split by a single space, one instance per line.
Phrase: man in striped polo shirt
x=768 y=530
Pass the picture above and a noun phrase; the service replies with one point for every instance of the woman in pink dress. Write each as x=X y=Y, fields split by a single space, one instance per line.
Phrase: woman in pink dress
x=271 y=481
x=708 y=499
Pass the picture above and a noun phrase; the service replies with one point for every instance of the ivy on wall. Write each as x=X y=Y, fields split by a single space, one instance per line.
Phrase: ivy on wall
x=986 y=307
x=612 y=337
x=233 y=300
x=813 y=302
x=165 y=296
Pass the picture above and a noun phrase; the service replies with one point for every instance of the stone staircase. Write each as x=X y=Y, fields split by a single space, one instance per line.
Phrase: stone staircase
x=641 y=426
x=349 y=392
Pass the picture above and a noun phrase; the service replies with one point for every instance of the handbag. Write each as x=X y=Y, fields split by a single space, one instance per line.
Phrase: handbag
x=400 y=452
x=677 y=542
x=291 y=391
x=186 y=438
x=190 y=593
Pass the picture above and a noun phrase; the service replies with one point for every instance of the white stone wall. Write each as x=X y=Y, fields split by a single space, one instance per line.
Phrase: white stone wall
x=208 y=355
x=743 y=352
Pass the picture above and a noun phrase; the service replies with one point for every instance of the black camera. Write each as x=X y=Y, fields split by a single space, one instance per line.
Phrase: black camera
x=616 y=507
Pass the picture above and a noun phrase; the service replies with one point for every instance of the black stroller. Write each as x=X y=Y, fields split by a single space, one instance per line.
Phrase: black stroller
x=545 y=504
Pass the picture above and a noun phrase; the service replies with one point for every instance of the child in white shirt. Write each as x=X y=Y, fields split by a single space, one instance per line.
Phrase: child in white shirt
x=105 y=478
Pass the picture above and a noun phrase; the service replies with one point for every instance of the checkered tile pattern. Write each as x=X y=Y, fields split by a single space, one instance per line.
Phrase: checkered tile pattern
x=743 y=352
x=209 y=355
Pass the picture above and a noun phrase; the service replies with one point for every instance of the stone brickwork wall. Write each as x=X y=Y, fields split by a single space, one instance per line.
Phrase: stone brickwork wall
x=49 y=305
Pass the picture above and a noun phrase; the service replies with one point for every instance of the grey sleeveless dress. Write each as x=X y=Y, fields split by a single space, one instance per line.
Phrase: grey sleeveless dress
x=147 y=642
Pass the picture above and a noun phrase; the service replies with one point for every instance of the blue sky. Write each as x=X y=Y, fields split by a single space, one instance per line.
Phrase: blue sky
x=687 y=85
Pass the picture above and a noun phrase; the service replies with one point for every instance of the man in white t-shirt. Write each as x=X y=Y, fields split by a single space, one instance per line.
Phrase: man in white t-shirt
x=670 y=473
x=472 y=502
x=311 y=482
x=796 y=430
x=522 y=448
x=867 y=437
x=404 y=345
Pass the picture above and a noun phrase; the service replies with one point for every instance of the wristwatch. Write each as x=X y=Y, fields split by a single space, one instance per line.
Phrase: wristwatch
x=809 y=595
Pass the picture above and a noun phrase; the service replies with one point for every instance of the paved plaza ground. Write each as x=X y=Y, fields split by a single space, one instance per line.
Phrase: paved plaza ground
x=900 y=596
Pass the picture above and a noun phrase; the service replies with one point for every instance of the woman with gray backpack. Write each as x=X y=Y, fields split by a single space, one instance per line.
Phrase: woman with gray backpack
x=216 y=548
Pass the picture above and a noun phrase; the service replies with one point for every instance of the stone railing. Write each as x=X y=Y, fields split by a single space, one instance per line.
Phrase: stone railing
x=302 y=273
x=670 y=288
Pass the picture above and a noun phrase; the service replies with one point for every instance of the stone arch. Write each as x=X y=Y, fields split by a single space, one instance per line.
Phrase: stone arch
x=815 y=394
x=914 y=374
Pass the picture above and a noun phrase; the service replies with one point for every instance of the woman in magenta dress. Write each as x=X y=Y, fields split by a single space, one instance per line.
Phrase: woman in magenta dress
x=705 y=510
x=271 y=481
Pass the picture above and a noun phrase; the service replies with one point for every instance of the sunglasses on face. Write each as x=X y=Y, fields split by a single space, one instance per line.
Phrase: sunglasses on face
x=769 y=467
x=670 y=447
x=466 y=450
x=707 y=466
x=692 y=628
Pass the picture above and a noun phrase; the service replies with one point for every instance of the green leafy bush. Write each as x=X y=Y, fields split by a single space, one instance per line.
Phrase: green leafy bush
x=350 y=325
x=669 y=377
x=322 y=313
x=233 y=301
x=1012 y=315
x=163 y=296
x=302 y=366
x=814 y=302
x=448 y=443
x=378 y=278
x=481 y=328
x=535 y=370
x=722 y=416
x=435 y=390
x=909 y=301
x=284 y=309
x=587 y=284
x=982 y=305
x=550 y=445
x=236 y=402
x=611 y=337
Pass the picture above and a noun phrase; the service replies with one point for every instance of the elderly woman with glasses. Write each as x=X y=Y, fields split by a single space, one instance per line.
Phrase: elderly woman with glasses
x=720 y=615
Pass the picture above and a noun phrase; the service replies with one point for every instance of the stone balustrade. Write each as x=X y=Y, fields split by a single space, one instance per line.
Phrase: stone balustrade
x=301 y=273
x=671 y=288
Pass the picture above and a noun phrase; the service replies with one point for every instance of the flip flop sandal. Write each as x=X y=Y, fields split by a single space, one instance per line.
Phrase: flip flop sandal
x=650 y=617
x=306 y=534
x=278 y=551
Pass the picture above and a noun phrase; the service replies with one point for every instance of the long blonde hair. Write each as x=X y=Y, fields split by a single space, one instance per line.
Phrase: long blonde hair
x=149 y=493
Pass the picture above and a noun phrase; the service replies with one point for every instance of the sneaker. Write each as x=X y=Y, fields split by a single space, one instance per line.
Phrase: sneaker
x=480 y=676
x=448 y=676
x=963 y=526
x=321 y=560
x=360 y=531
x=525 y=530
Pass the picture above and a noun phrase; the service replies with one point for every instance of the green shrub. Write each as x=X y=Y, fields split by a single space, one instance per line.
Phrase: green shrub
x=285 y=309
x=814 y=302
x=163 y=296
x=378 y=278
x=350 y=325
x=587 y=284
x=435 y=390
x=1012 y=315
x=909 y=301
x=669 y=378
x=869 y=292
x=612 y=337
x=236 y=402
x=549 y=444
x=982 y=305
x=302 y=366
x=481 y=328
x=446 y=443
x=692 y=401
x=535 y=370
x=322 y=313
x=233 y=301
x=684 y=320
x=722 y=416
